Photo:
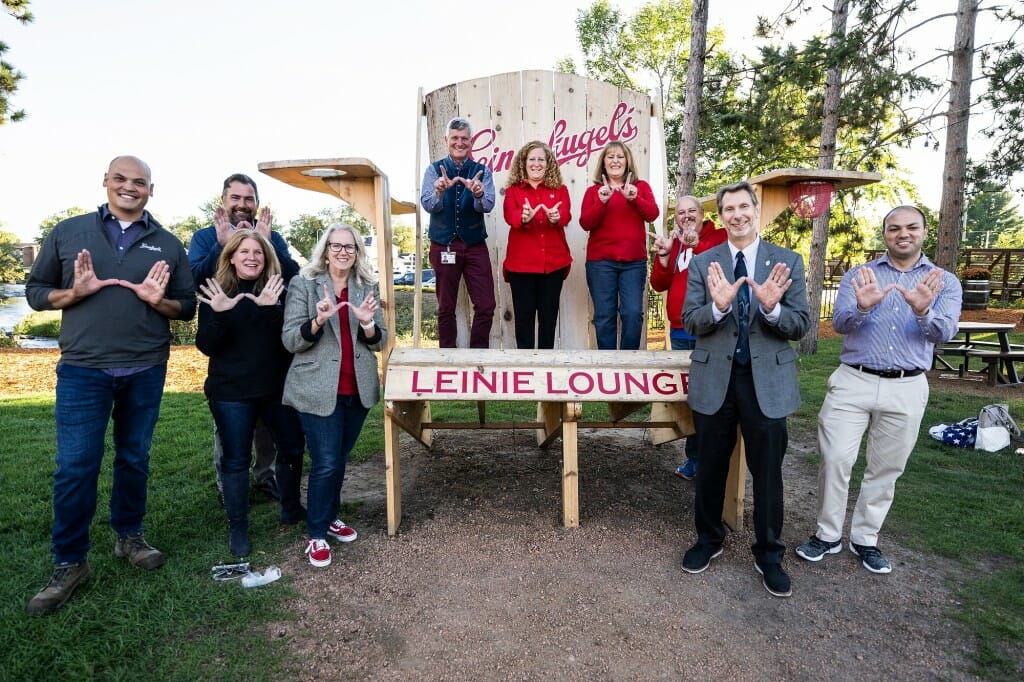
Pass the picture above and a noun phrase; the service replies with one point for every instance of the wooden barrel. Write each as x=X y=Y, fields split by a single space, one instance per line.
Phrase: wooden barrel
x=975 y=294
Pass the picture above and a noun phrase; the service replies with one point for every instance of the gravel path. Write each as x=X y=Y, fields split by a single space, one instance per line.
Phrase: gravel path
x=484 y=583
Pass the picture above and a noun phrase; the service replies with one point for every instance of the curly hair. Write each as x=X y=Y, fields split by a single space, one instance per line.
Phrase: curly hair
x=630 y=164
x=517 y=173
x=226 y=275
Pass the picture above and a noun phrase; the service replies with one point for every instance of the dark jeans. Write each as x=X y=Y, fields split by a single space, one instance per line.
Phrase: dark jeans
x=236 y=424
x=691 y=449
x=766 y=441
x=86 y=400
x=535 y=301
x=473 y=263
x=617 y=290
x=330 y=441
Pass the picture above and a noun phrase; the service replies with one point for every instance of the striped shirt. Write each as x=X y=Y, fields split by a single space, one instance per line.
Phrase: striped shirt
x=891 y=335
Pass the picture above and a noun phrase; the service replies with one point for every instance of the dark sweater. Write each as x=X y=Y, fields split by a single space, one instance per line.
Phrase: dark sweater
x=113 y=327
x=247 y=360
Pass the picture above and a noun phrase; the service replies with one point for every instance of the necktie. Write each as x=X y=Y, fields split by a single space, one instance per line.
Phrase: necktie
x=742 y=355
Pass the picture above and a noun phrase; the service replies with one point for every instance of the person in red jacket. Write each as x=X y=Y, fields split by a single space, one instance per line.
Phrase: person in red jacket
x=537 y=260
x=670 y=272
x=616 y=210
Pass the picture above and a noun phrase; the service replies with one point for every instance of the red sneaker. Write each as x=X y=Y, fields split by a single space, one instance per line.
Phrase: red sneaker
x=342 y=533
x=319 y=552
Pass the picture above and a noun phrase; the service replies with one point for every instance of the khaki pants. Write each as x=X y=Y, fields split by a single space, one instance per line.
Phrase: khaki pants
x=891 y=411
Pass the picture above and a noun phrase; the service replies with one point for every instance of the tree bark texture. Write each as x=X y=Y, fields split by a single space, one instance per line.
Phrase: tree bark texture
x=826 y=160
x=691 y=102
x=955 y=165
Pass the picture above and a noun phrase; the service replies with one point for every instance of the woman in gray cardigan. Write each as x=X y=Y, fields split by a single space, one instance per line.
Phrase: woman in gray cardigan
x=333 y=325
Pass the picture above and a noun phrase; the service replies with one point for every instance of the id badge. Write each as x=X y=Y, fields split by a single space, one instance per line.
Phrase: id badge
x=447 y=258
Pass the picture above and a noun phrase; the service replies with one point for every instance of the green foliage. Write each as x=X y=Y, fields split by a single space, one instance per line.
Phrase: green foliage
x=51 y=221
x=185 y=228
x=303 y=232
x=7 y=341
x=9 y=76
x=1003 y=67
x=993 y=219
x=12 y=268
x=404 y=237
x=183 y=332
x=404 y=300
x=45 y=323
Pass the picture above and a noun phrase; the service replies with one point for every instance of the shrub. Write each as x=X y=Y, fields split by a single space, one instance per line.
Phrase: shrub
x=7 y=341
x=42 y=323
x=975 y=273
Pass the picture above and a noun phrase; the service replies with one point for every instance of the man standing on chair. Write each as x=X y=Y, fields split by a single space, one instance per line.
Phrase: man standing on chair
x=891 y=313
x=457 y=192
x=745 y=301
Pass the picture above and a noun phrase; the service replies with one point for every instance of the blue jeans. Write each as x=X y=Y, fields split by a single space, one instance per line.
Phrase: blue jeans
x=86 y=399
x=691 y=441
x=236 y=424
x=617 y=290
x=330 y=440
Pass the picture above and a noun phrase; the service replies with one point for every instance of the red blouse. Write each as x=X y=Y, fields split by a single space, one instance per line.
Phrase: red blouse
x=538 y=246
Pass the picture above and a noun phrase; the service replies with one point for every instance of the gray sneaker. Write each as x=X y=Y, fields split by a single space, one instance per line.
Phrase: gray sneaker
x=138 y=552
x=815 y=548
x=873 y=558
x=65 y=580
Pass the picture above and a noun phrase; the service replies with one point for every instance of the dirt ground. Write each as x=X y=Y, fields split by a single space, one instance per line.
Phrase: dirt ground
x=484 y=583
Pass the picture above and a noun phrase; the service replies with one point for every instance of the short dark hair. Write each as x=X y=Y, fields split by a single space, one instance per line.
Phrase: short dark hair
x=909 y=207
x=245 y=180
x=735 y=187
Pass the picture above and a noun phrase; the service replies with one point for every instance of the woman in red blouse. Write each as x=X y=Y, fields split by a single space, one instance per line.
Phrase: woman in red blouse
x=616 y=210
x=537 y=260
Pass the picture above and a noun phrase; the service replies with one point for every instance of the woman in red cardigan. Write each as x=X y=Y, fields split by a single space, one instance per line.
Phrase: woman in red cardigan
x=616 y=210
x=538 y=259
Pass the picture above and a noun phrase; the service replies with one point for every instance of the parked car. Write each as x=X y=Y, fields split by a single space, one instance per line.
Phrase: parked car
x=409 y=278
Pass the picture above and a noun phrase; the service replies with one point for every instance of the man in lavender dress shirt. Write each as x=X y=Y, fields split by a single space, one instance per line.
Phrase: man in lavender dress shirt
x=891 y=313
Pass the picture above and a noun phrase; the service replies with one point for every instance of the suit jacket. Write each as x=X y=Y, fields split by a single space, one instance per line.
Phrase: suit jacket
x=312 y=382
x=772 y=358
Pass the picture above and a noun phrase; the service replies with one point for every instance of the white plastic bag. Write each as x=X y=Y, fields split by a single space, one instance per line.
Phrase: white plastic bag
x=995 y=426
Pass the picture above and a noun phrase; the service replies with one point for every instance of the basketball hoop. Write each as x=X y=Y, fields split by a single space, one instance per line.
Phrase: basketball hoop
x=810 y=198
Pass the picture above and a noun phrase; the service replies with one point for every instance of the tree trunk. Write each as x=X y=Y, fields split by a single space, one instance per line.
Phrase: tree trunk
x=691 y=103
x=955 y=168
x=826 y=160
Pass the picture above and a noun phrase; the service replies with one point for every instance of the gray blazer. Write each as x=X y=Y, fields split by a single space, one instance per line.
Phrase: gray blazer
x=772 y=358
x=312 y=382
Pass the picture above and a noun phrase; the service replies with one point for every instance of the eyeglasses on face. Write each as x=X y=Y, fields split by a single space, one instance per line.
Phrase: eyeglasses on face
x=338 y=247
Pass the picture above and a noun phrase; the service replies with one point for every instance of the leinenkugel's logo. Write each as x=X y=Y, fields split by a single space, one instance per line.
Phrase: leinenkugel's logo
x=567 y=146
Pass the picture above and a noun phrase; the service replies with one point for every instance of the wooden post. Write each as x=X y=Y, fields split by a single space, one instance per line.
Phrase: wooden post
x=570 y=466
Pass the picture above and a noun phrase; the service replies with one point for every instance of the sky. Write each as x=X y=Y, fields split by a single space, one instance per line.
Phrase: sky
x=201 y=90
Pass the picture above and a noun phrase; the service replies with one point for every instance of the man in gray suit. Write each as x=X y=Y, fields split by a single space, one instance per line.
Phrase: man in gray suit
x=745 y=301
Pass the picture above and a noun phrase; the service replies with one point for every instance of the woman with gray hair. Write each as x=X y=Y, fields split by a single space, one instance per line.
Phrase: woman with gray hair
x=333 y=325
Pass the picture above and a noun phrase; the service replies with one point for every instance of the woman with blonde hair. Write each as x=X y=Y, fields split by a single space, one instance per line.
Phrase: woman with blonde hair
x=615 y=211
x=334 y=326
x=537 y=259
x=240 y=323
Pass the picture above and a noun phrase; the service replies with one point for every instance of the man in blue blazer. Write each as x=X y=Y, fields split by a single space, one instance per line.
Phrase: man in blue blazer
x=745 y=301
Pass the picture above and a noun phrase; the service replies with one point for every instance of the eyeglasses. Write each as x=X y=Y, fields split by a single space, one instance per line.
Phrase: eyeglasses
x=338 y=247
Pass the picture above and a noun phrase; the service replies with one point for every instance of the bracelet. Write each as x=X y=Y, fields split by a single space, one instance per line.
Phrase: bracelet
x=368 y=326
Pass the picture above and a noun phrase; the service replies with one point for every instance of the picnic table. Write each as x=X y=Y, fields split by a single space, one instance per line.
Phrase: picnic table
x=998 y=356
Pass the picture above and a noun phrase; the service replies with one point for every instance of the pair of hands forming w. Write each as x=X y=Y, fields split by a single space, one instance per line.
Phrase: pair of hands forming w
x=327 y=307
x=150 y=290
x=213 y=296
x=530 y=211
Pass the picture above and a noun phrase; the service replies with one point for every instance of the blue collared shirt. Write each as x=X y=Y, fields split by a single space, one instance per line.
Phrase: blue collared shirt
x=122 y=237
x=891 y=335
x=431 y=202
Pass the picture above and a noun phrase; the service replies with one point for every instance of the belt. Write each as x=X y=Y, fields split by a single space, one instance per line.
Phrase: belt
x=888 y=373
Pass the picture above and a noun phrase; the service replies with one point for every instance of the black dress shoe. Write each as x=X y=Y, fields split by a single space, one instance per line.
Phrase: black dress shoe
x=699 y=557
x=774 y=579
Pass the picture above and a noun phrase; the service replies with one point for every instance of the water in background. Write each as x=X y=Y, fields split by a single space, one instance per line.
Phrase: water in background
x=12 y=309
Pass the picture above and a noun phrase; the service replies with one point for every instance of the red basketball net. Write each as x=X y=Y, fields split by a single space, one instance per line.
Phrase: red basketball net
x=810 y=198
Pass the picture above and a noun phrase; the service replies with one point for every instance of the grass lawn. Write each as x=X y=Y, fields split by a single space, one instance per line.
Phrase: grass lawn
x=176 y=623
